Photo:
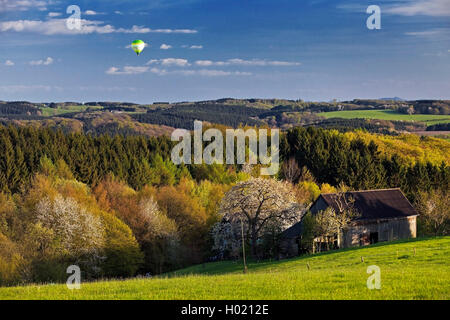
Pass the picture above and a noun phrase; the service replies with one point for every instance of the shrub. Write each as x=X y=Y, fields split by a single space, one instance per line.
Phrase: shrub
x=11 y=262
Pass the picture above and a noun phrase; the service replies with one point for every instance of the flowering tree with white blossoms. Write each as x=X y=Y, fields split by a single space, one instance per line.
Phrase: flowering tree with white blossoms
x=227 y=239
x=80 y=234
x=261 y=205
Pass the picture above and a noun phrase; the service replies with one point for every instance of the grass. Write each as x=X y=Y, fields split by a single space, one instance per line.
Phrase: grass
x=48 y=112
x=428 y=119
x=424 y=274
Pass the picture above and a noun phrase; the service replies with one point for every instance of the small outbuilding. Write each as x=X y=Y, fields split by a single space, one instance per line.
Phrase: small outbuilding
x=383 y=215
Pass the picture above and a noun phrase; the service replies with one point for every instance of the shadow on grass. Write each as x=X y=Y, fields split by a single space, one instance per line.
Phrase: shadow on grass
x=236 y=266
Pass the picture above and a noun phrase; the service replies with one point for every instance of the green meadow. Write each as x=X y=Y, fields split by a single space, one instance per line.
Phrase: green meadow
x=415 y=269
x=428 y=119
x=48 y=112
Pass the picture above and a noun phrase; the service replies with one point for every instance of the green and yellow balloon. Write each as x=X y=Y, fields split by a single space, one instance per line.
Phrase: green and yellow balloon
x=138 y=46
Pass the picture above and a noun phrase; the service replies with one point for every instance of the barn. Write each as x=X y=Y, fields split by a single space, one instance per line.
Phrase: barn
x=383 y=215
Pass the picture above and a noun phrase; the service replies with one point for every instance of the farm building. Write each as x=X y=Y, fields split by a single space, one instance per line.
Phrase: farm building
x=382 y=215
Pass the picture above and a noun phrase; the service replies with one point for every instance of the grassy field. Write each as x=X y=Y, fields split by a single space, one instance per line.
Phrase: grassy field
x=48 y=112
x=429 y=119
x=424 y=274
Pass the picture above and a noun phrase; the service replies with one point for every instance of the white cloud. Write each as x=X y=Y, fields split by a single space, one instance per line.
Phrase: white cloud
x=433 y=8
x=23 y=88
x=196 y=47
x=22 y=5
x=165 y=46
x=118 y=12
x=54 y=26
x=127 y=70
x=174 y=31
x=177 y=62
x=207 y=63
x=445 y=32
x=58 y=26
x=113 y=70
x=158 y=71
x=423 y=33
x=90 y=13
x=241 y=62
x=45 y=62
x=212 y=73
x=54 y=14
x=168 y=62
x=353 y=7
x=406 y=7
x=9 y=63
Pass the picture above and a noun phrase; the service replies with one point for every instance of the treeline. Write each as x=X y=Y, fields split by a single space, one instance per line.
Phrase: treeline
x=412 y=106
x=439 y=127
x=19 y=107
x=428 y=107
x=332 y=158
x=230 y=112
x=136 y=160
x=371 y=125
x=110 y=104
x=184 y=116
x=90 y=158
x=111 y=129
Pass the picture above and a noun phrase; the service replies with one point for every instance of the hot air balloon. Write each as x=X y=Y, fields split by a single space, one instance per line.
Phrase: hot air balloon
x=138 y=46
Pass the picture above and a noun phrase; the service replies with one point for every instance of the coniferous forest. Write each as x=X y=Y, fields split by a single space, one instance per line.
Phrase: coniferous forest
x=332 y=158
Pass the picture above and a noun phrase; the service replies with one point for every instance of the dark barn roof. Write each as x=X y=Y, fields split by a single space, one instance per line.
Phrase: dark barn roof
x=370 y=204
x=292 y=232
x=376 y=204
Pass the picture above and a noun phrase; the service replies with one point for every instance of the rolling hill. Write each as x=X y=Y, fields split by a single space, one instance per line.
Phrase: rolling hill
x=378 y=116
x=428 y=119
x=415 y=269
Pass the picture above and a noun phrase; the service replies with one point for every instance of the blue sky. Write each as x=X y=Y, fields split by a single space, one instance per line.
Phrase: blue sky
x=207 y=49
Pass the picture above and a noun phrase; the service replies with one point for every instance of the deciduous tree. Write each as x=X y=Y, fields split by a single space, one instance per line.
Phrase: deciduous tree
x=260 y=203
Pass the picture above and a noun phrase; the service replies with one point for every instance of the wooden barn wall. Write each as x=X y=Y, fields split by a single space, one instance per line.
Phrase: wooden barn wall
x=388 y=230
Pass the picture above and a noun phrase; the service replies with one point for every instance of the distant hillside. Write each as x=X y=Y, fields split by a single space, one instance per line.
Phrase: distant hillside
x=392 y=99
x=157 y=118
x=184 y=116
x=19 y=108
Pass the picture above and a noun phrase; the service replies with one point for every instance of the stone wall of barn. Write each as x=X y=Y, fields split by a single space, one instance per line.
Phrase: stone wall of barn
x=381 y=230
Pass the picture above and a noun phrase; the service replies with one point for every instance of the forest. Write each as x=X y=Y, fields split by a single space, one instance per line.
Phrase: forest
x=184 y=116
x=118 y=206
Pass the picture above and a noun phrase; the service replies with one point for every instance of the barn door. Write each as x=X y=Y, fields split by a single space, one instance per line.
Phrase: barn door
x=373 y=237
